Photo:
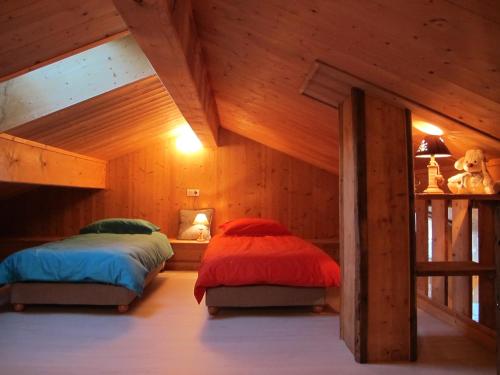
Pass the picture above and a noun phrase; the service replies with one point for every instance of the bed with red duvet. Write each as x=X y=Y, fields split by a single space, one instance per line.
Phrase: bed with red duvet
x=258 y=262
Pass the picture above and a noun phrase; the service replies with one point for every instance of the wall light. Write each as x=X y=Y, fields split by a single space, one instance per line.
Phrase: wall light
x=427 y=128
x=186 y=141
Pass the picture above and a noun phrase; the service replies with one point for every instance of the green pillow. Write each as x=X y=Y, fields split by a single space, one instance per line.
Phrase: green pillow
x=120 y=226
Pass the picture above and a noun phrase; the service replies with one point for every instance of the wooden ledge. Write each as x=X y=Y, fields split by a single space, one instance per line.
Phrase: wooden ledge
x=473 y=197
x=453 y=269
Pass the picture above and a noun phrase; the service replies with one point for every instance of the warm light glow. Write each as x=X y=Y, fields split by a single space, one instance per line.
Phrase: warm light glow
x=201 y=219
x=186 y=141
x=427 y=128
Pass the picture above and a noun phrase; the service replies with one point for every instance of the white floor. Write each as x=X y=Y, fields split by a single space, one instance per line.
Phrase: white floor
x=168 y=333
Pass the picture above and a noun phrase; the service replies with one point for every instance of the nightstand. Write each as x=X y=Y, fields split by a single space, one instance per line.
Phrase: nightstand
x=187 y=256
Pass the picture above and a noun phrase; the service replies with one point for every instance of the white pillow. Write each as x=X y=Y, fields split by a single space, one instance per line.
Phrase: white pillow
x=188 y=231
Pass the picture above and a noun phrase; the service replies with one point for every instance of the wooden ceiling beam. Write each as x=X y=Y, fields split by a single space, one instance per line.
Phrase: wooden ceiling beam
x=166 y=32
x=27 y=162
x=329 y=85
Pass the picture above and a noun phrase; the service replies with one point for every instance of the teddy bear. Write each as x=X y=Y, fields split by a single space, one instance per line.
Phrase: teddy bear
x=475 y=179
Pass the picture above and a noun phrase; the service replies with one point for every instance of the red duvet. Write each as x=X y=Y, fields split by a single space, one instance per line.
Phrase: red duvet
x=274 y=260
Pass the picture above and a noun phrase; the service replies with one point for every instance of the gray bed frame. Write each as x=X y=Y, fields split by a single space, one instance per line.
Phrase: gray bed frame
x=42 y=293
x=264 y=296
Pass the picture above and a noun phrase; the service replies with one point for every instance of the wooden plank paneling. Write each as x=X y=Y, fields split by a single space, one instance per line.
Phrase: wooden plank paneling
x=166 y=32
x=239 y=178
x=460 y=288
x=34 y=33
x=486 y=235
x=262 y=51
x=439 y=247
x=27 y=162
x=111 y=124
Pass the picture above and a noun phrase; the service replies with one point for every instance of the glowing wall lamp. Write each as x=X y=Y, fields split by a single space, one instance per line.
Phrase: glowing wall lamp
x=432 y=146
x=186 y=141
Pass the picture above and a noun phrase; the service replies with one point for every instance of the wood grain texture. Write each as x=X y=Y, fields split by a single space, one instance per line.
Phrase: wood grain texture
x=240 y=178
x=422 y=241
x=33 y=33
x=487 y=239
x=330 y=85
x=376 y=244
x=167 y=34
x=388 y=232
x=460 y=288
x=441 y=54
x=109 y=125
x=27 y=162
x=439 y=247
x=350 y=232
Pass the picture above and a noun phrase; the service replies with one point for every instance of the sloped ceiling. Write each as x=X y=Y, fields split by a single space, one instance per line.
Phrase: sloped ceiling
x=111 y=124
x=33 y=33
x=442 y=54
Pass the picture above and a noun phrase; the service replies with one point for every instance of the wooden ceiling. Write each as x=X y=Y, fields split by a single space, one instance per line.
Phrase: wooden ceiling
x=441 y=54
x=111 y=124
x=35 y=33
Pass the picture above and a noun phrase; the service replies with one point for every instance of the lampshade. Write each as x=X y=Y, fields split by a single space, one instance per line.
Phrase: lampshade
x=200 y=219
x=432 y=145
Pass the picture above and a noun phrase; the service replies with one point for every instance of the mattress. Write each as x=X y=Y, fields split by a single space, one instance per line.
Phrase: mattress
x=117 y=259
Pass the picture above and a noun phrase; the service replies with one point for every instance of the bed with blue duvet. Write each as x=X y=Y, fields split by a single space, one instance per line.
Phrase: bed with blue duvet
x=109 y=263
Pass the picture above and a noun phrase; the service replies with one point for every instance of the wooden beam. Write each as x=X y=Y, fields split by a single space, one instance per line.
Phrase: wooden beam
x=465 y=268
x=377 y=245
x=166 y=32
x=27 y=162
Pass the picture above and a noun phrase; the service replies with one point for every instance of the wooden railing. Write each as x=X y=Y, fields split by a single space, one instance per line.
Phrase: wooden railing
x=451 y=267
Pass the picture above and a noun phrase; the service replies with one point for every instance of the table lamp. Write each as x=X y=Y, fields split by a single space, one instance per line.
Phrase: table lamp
x=202 y=222
x=432 y=146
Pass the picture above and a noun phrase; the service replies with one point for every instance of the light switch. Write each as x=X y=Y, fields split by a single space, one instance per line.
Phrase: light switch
x=193 y=192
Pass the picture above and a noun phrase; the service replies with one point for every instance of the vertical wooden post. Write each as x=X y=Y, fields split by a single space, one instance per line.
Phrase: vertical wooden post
x=422 y=241
x=439 y=244
x=486 y=229
x=352 y=199
x=460 y=288
x=497 y=281
x=377 y=231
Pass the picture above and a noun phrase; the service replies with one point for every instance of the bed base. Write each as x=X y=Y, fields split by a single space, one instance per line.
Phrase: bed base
x=41 y=293
x=264 y=296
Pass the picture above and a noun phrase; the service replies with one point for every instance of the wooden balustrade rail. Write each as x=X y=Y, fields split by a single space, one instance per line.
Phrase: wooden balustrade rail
x=450 y=266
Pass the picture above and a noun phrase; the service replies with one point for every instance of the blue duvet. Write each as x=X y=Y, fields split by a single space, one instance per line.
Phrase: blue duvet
x=118 y=259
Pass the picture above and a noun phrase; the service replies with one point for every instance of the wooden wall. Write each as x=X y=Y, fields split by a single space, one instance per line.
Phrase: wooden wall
x=240 y=178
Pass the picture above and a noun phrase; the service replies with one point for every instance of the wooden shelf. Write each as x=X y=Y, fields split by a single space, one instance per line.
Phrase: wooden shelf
x=475 y=197
x=453 y=269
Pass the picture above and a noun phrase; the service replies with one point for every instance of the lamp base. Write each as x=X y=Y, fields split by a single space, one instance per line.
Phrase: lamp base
x=433 y=190
x=200 y=237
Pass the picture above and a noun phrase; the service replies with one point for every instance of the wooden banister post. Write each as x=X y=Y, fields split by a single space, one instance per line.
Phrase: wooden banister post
x=460 y=288
x=439 y=245
x=422 y=241
x=486 y=231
